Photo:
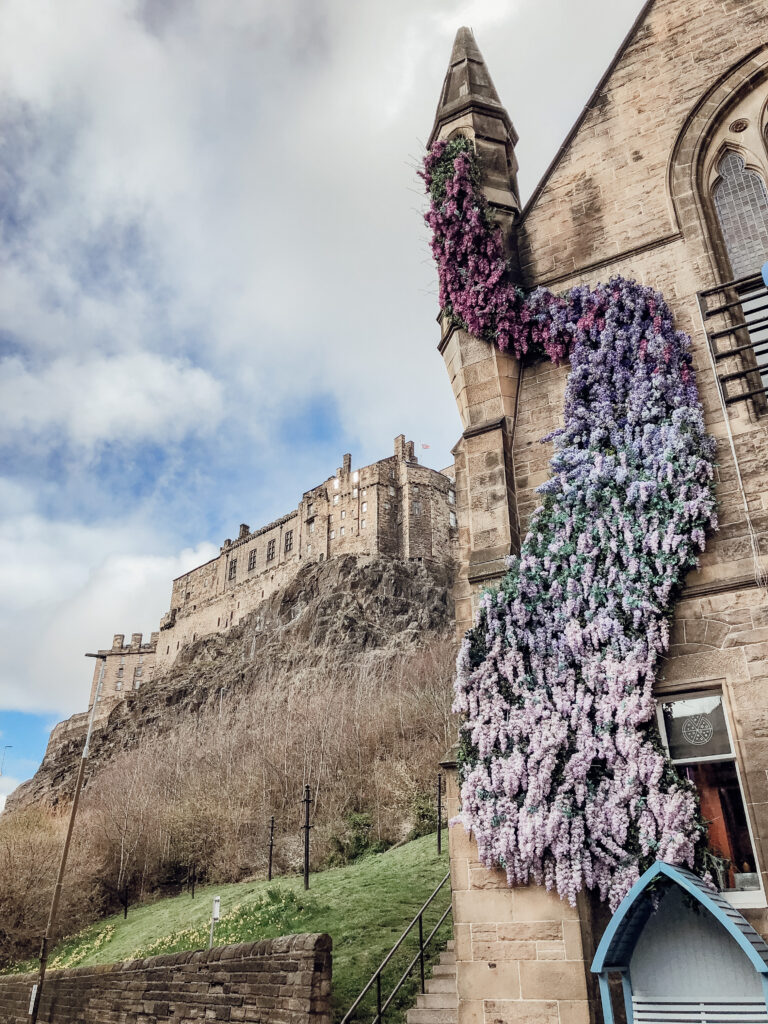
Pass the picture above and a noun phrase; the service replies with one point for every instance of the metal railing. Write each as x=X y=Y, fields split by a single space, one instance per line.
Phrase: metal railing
x=375 y=982
x=735 y=316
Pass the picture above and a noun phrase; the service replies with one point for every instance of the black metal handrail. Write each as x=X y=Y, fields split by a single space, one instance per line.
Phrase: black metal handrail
x=743 y=340
x=418 y=920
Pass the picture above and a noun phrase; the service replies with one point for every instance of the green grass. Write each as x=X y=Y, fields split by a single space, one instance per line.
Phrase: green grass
x=364 y=906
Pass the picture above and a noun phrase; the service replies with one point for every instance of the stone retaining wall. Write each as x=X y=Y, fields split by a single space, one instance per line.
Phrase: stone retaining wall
x=278 y=981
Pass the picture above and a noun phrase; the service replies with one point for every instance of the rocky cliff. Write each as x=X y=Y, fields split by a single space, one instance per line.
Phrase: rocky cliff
x=346 y=607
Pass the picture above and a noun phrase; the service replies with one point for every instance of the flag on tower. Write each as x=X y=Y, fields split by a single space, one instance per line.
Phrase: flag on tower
x=423 y=445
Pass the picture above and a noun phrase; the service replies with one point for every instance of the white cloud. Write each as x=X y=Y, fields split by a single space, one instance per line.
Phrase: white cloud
x=7 y=786
x=65 y=588
x=129 y=397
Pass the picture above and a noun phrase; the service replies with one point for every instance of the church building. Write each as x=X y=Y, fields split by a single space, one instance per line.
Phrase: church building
x=663 y=180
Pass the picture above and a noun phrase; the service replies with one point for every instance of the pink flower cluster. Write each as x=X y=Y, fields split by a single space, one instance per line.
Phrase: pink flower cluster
x=563 y=777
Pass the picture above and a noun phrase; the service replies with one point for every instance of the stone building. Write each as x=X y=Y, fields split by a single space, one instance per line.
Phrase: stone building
x=662 y=179
x=392 y=507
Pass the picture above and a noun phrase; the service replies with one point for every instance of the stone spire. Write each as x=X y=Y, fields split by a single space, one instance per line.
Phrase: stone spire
x=469 y=105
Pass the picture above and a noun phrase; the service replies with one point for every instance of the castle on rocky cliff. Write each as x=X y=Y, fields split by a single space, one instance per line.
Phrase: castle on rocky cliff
x=392 y=507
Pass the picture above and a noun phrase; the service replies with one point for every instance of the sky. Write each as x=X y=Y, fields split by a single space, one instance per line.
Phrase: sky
x=215 y=280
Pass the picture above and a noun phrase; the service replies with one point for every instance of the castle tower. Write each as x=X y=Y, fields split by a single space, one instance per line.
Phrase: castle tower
x=485 y=381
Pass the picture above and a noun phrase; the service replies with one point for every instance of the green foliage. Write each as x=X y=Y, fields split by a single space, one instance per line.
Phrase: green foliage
x=355 y=841
x=424 y=814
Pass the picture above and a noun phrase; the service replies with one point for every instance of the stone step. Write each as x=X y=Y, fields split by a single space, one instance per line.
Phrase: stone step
x=442 y=983
x=437 y=1000
x=419 y=1016
x=450 y=945
x=442 y=970
x=447 y=958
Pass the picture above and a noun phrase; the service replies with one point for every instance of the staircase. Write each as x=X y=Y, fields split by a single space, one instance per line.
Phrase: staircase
x=440 y=1004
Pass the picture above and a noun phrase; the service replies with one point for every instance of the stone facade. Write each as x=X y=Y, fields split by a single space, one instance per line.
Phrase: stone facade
x=632 y=191
x=277 y=981
x=393 y=507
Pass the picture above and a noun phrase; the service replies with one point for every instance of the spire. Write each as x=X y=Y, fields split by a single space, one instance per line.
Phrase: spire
x=469 y=105
x=468 y=87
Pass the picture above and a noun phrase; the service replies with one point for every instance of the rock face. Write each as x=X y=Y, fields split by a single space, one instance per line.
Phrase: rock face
x=347 y=606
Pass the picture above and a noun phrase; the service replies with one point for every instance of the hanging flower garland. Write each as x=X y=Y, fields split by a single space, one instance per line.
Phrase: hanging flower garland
x=563 y=778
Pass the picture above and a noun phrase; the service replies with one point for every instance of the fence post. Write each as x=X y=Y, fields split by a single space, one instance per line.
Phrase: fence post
x=306 y=801
x=271 y=846
x=439 y=813
x=378 y=999
x=421 y=952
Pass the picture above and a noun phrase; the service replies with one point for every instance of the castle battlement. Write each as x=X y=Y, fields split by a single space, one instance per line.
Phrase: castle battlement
x=391 y=507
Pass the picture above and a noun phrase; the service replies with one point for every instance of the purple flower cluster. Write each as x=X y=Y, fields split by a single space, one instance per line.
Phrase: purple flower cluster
x=563 y=779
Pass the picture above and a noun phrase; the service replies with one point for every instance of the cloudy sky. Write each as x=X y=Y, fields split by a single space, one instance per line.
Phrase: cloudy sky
x=214 y=280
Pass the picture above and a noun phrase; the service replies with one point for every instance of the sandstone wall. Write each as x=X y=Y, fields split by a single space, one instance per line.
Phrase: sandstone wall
x=278 y=981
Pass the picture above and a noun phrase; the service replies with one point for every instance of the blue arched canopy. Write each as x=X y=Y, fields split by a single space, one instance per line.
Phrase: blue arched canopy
x=691 y=898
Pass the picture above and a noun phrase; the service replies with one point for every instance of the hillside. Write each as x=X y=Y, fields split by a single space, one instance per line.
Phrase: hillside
x=335 y=611
x=364 y=906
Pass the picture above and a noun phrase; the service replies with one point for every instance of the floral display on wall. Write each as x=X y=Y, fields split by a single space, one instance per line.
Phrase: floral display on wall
x=564 y=781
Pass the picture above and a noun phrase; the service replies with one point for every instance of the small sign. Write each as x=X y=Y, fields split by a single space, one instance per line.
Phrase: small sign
x=32 y=999
x=216 y=907
x=765 y=274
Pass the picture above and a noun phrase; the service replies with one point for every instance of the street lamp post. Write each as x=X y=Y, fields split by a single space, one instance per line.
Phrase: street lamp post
x=8 y=746
x=37 y=991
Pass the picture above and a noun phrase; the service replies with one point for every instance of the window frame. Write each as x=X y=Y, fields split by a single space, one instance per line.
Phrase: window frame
x=754 y=899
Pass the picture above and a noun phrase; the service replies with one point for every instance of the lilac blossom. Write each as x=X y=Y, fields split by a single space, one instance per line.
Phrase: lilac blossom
x=563 y=778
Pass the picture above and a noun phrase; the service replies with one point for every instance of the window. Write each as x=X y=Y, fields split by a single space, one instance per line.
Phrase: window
x=312 y=527
x=271 y=550
x=391 y=473
x=741 y=201
x=386 y=506
x=232 y=569
x=333 y=534
x=309 y=549
x=252 y=560
x=288 y=541
x=365 y=491
x=391 y=490
x=362 y=524
x=335 y=499
x=119 y=684
x=336 y=484
x=343 y=513
x=310 y=508
x=341 y=532
x=451 y=497
x=695 y=732
x=355 y=476
x=354 y=492
x=364 y=507
x=417 y=508
x=452 y=518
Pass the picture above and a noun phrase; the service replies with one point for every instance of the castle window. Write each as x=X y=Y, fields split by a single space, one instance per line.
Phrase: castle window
x=309 y=549
x=741 y=201
x=343 y=513
x=391 y=490
x=252 y=560
x=341 y=532
x=119 y=684
x=168 y=649
x=355 y=476
x=311 y=527
x=335 y=499
x=452 y=519
x=365 y=491
x=391 y=473
x=364 y=507
x=232 y=569
x=362 y=524
x=354 y=492
x=336 y=484
x=333 y=534
x=451 y=497
x=695 y=732
x=288 y=541
x=271 y=550
x=310 y=508
x=386 y=506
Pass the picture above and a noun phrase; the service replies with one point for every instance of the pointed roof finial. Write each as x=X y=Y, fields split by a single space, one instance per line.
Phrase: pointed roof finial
x=468 y=86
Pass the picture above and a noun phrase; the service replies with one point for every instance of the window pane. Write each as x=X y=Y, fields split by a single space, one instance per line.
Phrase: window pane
x=696 y=727
x=723 y=809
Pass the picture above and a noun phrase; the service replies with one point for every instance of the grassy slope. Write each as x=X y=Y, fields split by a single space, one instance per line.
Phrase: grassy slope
x=364 y=906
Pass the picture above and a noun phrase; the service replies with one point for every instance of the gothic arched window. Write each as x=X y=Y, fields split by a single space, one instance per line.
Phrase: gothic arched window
x=741 y=201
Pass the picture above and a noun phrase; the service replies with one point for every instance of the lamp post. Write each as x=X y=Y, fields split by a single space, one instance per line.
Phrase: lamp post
x=8 y=746
x=37 y=990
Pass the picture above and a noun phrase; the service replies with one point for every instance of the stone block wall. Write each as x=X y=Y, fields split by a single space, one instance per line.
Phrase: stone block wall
x=520 y=953
x=278 y=981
